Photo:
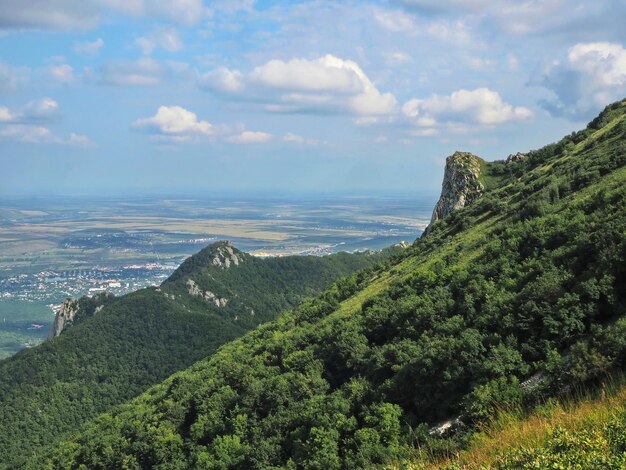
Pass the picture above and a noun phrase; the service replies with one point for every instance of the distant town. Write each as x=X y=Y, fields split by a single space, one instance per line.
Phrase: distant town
x=53 y=287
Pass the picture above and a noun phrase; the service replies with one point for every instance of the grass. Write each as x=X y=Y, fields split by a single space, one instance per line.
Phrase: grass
x=514 y=430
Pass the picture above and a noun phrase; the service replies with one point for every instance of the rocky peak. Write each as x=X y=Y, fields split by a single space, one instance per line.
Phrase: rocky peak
x=226 y=255
x=461 y=185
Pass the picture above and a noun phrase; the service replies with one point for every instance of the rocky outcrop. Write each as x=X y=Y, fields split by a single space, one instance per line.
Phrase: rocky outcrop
x=225 y=256
x=461 y=185
x=69 y=311
x=64 y=317
x=516 y=157
x=209 y=296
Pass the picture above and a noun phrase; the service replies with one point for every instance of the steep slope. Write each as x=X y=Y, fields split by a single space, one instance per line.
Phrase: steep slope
x=110 y=350
x=528 y=281
x=587 y=431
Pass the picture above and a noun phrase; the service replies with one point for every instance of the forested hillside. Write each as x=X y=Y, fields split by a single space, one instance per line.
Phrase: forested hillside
x=526 y=282
x=109 y=356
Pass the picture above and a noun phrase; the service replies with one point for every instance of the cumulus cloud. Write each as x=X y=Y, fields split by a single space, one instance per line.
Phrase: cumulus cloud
x=250 y=137
x=47 y=14
x=85 y=14
x=164 y=38
x=6 y=115
x=33 y=134
x=11 y=78
x=45 y=109
x=462 y=109
x=63 y=73
x=222 y=79
x=395 y=20
x=144 y=71
x=590 y=77
x=89 y=47
x=327 y=84
x=177 y=124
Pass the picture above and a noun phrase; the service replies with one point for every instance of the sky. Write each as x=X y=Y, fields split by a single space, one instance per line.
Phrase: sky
x=114 y=97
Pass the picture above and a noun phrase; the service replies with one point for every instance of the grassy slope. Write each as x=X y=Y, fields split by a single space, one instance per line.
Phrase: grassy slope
x=139 y=339
x=588 y=430
x=164 y=414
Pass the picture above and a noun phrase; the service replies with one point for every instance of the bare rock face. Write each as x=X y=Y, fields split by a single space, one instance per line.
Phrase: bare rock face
x=64 y=317
x=461 y=185
x=208 y=296
x=225 y=256
x=516 y=157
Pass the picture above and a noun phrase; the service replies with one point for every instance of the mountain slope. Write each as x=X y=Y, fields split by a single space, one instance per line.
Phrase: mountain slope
x=528 y=281
x=105 y=356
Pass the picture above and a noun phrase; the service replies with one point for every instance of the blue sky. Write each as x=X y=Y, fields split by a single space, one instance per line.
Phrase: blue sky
x=183 y=96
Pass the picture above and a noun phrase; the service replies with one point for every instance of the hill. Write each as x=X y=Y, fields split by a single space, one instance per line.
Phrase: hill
x=109 y=350
x=517 y=297
x=585 y=431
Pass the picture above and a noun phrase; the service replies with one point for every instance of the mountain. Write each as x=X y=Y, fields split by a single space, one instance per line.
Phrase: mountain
x=515 y=298
x=107 y=350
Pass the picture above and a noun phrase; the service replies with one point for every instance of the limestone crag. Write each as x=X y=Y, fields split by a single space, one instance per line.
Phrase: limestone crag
x=209 y=296
x=516 y=157
x=225 y=256
x=461 y=185
x=64 y=316
x=70 y=309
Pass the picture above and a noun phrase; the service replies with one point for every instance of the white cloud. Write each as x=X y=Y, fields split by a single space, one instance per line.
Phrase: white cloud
x=604 y=63
x=45 y=109
x=32 y=134
x=12 y=78
x=63 y=73
x=141 y=72
x=176 y=123
x=223 y=79
x=164 y=38
x=395 y=20
x=47 y=14
x=86 y=14
x=79 y=140
x=463 y=108
x=250 y=137
x=591 y=76
x=6 y=115
x=89 y=47
x=324 y=84
x=397 y=57
x=446 y=6
x=184 y=12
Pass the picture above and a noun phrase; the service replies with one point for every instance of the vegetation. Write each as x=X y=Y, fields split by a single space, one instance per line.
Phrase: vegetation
x=135 y=341
x=527 y=282
x=586 y=431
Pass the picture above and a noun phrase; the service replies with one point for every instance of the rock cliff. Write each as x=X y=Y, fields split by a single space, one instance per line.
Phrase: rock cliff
x=71 y=309
x=461 y=185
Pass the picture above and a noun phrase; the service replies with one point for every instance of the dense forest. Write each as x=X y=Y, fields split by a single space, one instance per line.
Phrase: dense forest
x=512 y=300
x=135 y=341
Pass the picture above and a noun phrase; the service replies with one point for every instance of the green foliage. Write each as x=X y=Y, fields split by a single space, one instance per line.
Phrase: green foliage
x=138 y=340
x=532 y=280
x=592 y=449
